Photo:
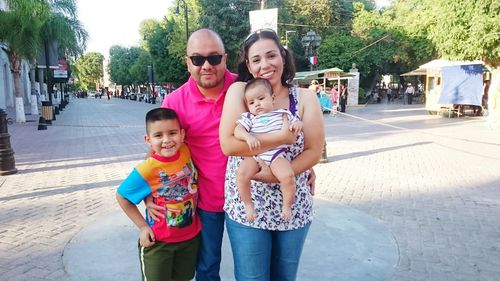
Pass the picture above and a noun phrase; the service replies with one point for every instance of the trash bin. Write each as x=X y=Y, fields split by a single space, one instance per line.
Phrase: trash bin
x=47 y=111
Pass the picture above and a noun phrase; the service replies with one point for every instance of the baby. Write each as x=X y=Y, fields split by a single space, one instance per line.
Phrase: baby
x=261 y=119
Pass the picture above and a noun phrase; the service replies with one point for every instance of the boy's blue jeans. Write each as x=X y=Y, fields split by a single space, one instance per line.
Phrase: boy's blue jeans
x=209 y=255
x=265 y=255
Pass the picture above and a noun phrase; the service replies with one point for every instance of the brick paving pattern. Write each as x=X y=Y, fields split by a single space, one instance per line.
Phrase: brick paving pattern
x=433 y=182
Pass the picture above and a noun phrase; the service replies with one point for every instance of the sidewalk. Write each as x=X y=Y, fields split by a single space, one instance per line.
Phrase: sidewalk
x=422 y=188
x=351 y=244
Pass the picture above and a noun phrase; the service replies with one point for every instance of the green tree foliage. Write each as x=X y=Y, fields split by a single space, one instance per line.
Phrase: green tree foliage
x=177 y=33
x=139 y=69
x=64 y=27
x=89 y=70
x=24 y=19
x=380 y=43
x=317 y=14
x=230 y=19
x=28 y=23
x=120 y=60
x=467 y=29
x=167 y=67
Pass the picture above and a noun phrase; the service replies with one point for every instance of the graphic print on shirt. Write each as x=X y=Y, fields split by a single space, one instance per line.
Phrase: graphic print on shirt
x=176 y=194
x=264 y=120
x=180 y=214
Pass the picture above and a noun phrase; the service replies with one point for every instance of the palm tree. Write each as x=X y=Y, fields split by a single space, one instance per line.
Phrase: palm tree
x=24 y=21
x=32 y=23
x=63 y=27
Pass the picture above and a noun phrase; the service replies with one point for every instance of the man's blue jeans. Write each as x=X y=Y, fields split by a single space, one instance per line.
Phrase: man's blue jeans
x=209 y=255
x=265 y=255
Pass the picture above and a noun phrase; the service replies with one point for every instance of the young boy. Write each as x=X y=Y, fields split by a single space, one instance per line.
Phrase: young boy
x=167 y=248
x=260 y=119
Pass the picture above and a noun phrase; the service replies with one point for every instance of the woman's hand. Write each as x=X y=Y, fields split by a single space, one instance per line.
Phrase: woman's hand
x=155 y=212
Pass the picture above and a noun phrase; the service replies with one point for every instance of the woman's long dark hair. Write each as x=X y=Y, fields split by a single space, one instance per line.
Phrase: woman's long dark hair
x=288 y=67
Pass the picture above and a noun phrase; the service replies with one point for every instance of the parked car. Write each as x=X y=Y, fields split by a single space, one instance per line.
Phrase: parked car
x=92 y=94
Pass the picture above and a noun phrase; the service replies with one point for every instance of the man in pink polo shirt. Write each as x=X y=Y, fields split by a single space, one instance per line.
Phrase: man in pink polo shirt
x=199 y=103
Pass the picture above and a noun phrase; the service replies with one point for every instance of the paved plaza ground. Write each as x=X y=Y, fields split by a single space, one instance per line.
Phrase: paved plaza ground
x=432 y=183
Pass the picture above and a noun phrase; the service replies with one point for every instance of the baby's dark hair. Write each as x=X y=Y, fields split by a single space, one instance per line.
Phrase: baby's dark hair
x=259 y=82
x=159 y=114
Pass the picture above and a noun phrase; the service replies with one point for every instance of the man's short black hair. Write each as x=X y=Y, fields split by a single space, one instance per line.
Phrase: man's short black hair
x=159 y=114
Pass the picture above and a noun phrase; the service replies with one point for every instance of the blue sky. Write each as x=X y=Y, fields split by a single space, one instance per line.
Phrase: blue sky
x=116 y=22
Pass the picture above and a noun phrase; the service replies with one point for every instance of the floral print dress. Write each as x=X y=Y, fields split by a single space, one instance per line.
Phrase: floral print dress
x=267 y=198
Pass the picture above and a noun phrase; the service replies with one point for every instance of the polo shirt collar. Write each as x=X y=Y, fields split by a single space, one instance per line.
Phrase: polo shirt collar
x=198 y=97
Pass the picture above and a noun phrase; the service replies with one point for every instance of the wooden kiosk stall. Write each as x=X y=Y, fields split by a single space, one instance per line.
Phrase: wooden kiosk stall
x=451 y=86
x=335 y=74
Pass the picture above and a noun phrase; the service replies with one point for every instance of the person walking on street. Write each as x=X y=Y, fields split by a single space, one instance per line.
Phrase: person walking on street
x=410 y=91
x=198 y=102
x=343 y=97
x=389 y=94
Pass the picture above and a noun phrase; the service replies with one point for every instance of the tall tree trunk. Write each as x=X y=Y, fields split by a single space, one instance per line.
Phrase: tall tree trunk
x=15 y=68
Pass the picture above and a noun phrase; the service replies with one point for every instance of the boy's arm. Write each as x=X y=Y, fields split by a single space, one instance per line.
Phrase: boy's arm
x=147 y=237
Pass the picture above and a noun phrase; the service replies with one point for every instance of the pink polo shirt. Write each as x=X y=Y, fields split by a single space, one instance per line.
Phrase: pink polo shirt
x=200 y=117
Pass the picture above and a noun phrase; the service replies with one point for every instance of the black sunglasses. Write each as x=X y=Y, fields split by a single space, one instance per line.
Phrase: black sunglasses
x=200 y=60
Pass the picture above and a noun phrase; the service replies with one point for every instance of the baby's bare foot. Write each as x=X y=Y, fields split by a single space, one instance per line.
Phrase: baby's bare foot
x=286 y=213
x=250 y=210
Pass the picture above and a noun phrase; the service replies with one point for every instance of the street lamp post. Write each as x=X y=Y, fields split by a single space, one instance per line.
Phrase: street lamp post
x=151 y=80
x=311 y=42
x=185 y=16
x=286 y=36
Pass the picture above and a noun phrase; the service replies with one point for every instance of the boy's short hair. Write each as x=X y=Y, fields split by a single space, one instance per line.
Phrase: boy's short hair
x=259 y=82
x=159 y=114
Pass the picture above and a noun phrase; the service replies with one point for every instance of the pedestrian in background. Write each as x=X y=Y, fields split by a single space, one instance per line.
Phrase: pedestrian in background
x=343 y=97
x=410 y=91
x=334 y=96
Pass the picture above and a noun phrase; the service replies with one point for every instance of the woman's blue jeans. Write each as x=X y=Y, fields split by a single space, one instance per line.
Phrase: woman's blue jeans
x=265 y=255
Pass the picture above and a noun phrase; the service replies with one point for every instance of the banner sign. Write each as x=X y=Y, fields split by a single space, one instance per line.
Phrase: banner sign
x=261 y=19
x=62 y=69
x=462 y=84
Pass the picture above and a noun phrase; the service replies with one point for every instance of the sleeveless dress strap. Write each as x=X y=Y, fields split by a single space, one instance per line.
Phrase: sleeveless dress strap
x=294 y=100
